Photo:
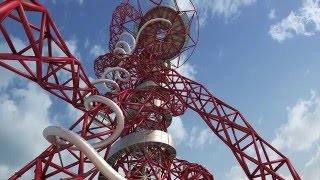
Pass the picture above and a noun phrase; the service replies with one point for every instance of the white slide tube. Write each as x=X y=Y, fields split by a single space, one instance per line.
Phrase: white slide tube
x=107 y=81
x=117 y=70
x=122 y=47
x=119 y=117
x=146 y=24
x=51 y=132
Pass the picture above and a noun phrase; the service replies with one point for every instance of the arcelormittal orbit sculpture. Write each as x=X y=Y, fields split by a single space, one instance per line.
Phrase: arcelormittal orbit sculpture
x=123 y=133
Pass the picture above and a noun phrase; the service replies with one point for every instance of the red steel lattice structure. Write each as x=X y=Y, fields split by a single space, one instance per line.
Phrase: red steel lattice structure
x=154 y=94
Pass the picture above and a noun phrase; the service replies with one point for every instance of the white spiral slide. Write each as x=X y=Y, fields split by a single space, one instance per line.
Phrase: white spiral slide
x=59 y=136
x=51 y=132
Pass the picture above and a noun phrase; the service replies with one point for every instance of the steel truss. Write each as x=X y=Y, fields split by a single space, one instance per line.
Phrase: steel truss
x=154 y=94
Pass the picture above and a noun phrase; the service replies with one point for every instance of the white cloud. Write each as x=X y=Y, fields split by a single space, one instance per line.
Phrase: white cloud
x=199 y=137
x=307 y=72
x=24 y=114
x=73 y=113
x=86 y=43
x=184 y=5
x=5 y=75
x=196 y=138
x=229 y=8
x=80 y=1
x=299 y=134
x=4 y=171
x=96 y=51
x=306 y=21
x=311 y=169
x=225 y=8
x=236 y=173
x=177 y=130
x=312 y=12
x=272 y=14
x=73 y=47
x=302 y=129
x=208 y=8
x=67 y=1
x=187 y=70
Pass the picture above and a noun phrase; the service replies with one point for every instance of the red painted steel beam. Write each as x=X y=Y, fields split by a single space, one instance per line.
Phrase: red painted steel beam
x=229 y=125
x=175 y=91
x=47 y=67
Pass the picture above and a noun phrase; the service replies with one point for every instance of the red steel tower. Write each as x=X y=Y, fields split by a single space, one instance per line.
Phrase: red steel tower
x=123 y=133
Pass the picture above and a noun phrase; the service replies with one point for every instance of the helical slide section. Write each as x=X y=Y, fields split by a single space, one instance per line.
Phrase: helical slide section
x=59 y=136
x=123 y=48
x=109 y=103
x=51 y=132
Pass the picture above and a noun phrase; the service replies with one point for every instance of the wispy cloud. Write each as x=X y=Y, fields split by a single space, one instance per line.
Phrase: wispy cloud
x=301 y=130
x=24 y=114
x=73 y=47
x=97 y=50
x=25 y=110
x=305 y=21
x=80 y=2
x=223 y=8
x=196 y=138
x=311 y=169
x=177 y=130
x=236 y=173
x=272 y=14
x=299 y=134
x=188 y=70
x=86 y=43
x=200 y=137
x=5 y=75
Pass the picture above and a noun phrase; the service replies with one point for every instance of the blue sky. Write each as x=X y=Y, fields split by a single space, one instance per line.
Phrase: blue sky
x=260 y=56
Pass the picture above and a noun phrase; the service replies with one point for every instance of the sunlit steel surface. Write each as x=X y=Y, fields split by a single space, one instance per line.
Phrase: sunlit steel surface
x=142 y=139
